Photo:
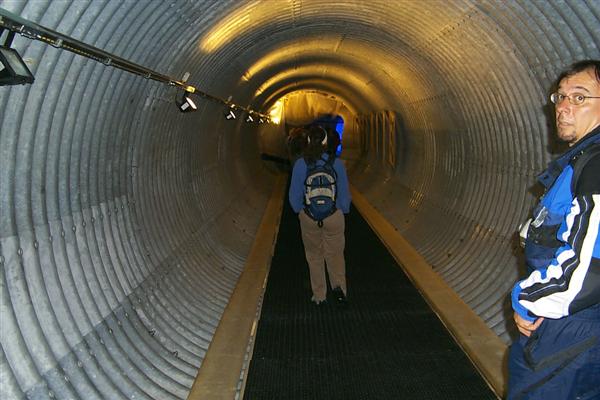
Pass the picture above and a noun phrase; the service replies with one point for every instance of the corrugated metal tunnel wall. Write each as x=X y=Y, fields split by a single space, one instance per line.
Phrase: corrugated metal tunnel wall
x=125 y=224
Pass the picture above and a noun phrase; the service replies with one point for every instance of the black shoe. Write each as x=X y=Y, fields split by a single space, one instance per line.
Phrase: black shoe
x=339 y=296
x=319 y=304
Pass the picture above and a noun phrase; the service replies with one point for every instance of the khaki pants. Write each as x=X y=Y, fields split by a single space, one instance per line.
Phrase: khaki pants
x=325 y=244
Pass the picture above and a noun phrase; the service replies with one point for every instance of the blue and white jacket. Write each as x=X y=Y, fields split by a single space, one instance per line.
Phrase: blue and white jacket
x=568 y=279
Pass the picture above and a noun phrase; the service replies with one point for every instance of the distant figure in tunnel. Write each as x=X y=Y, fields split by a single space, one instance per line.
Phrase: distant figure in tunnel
x=321 y=206
x=557 y=307
x=333 y=141
x=296 y=142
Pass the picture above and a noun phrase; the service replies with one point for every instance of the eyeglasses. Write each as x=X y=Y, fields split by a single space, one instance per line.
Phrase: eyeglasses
x=575 y=99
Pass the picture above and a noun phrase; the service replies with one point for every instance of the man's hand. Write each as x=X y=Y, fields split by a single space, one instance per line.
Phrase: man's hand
x=526 y=327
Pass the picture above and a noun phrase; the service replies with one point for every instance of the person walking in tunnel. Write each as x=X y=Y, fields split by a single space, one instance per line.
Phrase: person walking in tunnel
x=319 y=193
x=557 y=307
x=296 y=142
x=333 y=141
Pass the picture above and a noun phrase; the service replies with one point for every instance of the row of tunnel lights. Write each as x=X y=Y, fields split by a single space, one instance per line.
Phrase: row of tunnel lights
x=187 y=104
x=14 y=71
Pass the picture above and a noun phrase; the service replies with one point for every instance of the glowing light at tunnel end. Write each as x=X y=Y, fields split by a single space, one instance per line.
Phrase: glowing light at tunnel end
x=276 y=112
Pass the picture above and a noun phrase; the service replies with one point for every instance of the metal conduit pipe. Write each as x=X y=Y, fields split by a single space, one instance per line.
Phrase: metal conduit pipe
x=124 y=224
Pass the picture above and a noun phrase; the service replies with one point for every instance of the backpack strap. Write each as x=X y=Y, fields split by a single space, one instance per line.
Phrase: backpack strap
x=579 y=161
x=330 y=161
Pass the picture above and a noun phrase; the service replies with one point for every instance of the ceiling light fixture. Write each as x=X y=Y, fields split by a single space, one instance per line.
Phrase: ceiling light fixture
x=186 y=104
x=230 y=114
x=13 y=70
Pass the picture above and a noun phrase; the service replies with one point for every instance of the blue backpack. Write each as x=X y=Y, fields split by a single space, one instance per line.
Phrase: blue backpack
x=320 y=190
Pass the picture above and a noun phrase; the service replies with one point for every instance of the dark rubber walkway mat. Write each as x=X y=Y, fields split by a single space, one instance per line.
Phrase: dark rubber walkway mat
x=386 y=343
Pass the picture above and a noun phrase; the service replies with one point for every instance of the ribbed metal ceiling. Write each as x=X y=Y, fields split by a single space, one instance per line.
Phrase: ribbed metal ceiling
x=124 y=224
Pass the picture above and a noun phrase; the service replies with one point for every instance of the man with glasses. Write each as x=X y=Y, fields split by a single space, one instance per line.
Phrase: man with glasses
x=557 y=307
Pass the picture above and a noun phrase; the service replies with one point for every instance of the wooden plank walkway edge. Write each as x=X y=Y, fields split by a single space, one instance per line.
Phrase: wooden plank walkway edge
x=219 y=374
x=485 y=349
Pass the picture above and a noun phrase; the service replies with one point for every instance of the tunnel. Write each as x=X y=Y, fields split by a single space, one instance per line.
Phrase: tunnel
x=125 y=225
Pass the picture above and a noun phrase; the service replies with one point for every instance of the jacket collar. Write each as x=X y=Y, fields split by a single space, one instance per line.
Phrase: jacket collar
x=556 y=167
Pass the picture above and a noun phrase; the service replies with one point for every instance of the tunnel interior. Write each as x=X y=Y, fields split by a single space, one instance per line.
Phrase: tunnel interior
x=125 y=224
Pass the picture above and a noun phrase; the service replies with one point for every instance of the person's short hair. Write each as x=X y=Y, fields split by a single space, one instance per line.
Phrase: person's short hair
x=581 y=66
